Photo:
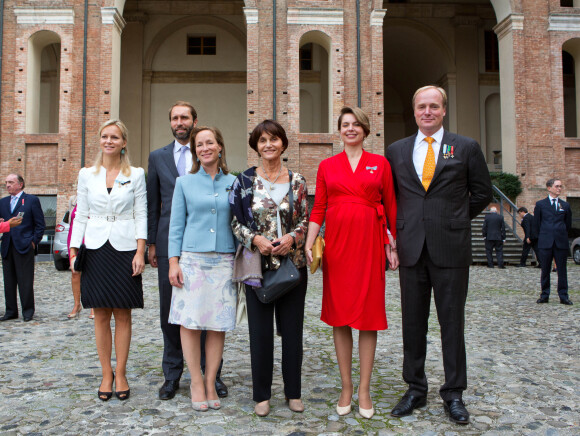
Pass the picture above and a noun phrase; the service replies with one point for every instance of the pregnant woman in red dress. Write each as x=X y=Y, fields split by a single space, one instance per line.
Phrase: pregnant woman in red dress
x=355 y=194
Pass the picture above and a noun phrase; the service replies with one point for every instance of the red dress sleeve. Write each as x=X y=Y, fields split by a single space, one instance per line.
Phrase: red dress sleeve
x=4 y=227
x=321 y=196
x=389 y=200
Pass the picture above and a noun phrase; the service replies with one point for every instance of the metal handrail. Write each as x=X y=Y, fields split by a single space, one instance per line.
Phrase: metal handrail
x=503 y=201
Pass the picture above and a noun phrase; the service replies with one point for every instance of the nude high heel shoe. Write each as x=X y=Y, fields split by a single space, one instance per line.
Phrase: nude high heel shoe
x=366 y=413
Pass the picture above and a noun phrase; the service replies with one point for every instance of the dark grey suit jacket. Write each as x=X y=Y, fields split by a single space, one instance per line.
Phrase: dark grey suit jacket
x=553 y=225
x=161 y=176
x=440 y=217
x=493 y=228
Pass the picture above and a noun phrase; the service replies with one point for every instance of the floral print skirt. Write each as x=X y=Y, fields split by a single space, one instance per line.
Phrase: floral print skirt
x=208 y=298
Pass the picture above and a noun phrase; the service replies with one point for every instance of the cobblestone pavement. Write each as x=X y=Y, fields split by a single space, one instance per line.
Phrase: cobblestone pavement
x=523 y=369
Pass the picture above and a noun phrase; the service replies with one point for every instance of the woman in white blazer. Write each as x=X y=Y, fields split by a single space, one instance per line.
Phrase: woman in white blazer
x=112 y=218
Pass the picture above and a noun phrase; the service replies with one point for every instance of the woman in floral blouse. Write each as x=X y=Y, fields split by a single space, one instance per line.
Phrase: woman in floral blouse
x=261 y=208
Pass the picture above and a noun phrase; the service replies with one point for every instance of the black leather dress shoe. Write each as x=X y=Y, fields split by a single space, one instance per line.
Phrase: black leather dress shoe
x=168 y=390
x=542 y=300
x=567 y=302
x=457 y=411
x=407 y=404
x=221 y=388
x=27 y=318
x=8 y=317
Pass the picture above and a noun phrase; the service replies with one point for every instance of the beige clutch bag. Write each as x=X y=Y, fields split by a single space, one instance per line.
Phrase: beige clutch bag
x=317 y=251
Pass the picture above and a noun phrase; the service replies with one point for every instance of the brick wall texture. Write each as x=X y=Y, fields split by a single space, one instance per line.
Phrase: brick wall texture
x=50 y=162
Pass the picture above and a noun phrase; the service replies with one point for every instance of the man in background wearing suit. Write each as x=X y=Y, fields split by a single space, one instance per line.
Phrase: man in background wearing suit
x=442 y=182
x=530 y=236
x=553 y=218
x=165 y=165
x=493 y=232
x=19 y=247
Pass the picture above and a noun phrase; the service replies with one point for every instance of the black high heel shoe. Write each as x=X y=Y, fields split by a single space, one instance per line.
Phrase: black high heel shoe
x=123 y=395
x=106 y=396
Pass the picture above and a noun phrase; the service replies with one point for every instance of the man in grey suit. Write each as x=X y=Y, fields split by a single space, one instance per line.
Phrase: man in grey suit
x=165 y=165
x=442 y=182
x=493 y=231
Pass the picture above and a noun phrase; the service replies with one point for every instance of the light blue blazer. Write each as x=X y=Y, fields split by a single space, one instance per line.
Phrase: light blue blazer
x=200 y=214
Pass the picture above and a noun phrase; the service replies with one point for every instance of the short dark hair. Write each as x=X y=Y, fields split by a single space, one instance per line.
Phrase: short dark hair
x=273 y=128
x=551 y=182
x=522 y=209
x=360 y=116
x=187 y=105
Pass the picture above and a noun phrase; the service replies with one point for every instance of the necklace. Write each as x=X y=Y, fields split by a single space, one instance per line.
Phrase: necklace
x=272 y=183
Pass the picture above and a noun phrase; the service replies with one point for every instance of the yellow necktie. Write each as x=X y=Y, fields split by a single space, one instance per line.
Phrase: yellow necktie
x=429 y=165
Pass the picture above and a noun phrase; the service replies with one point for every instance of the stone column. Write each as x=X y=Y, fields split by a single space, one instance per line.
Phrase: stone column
x=507 y=84
x=131 y=97
x=253 y=81
x=377 y=103
x=112 y=26
x=467 y=62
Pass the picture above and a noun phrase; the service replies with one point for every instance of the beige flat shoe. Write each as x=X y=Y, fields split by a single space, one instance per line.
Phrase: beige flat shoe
x=263 y=408
x=296 y=405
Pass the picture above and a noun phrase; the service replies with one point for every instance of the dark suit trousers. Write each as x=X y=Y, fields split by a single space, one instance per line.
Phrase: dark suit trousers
x=560 y=256
x=526 y=250
x=290 y=310
x=450 y=291
x=19 y=272
x=172 y=354
x=489 y=246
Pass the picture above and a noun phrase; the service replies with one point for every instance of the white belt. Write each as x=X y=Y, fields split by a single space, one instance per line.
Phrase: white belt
x=112 y=218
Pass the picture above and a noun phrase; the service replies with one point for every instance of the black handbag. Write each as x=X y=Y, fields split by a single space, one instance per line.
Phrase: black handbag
x=276 y=283
x=80 y=259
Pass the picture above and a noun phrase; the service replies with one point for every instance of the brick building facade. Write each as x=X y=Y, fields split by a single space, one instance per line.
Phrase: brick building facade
x=508 y=67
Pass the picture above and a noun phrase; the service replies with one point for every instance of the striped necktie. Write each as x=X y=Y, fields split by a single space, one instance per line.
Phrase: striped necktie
x=429 y=165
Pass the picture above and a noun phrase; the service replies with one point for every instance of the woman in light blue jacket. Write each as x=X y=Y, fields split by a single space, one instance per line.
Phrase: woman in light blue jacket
x=201 y=256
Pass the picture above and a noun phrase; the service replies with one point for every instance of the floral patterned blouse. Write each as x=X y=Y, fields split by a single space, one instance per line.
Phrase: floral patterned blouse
x=264 y=212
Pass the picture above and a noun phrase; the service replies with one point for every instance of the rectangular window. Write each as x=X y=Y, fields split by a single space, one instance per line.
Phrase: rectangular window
x=201 y=45
x=491 y=52
x=306 y=57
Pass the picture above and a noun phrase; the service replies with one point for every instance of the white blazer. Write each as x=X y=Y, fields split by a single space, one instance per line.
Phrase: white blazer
x=119 y=217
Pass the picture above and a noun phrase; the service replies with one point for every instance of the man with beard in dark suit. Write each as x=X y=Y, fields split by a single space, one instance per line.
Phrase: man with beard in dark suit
x=528 y=224
x=442 y=182
x=554 y=219
x=165 y=165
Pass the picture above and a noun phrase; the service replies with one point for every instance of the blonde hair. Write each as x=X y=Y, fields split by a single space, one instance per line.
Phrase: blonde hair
x=425 y=88
x=219 y=139
x=125 y=162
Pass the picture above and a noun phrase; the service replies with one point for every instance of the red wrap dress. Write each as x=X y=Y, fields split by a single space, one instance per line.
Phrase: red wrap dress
x=357 y=206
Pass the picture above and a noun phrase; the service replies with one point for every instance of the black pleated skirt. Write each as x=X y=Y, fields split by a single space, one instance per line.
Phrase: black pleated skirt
x=107 y=282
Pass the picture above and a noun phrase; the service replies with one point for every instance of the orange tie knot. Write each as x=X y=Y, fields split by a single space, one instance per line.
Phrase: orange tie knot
x=429 y=165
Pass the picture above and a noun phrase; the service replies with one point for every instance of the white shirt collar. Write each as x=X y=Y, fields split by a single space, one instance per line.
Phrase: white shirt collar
x=437 y=136
x=177 y=146
x=17 y=195
x=552 y=198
